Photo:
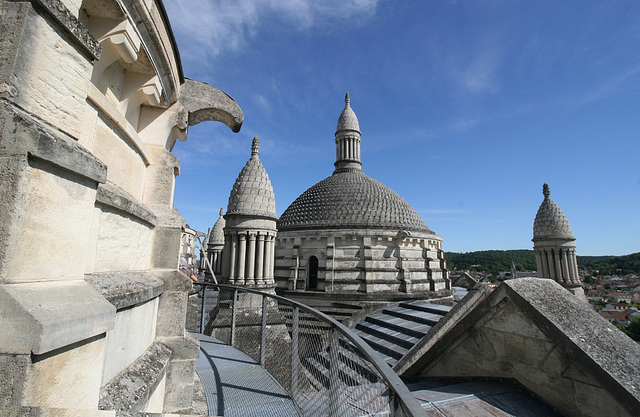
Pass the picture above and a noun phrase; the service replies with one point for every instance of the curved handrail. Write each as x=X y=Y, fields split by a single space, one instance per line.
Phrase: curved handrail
x=406 y=400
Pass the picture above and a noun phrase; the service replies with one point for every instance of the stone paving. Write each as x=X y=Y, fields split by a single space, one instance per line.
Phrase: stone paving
x=237 y=386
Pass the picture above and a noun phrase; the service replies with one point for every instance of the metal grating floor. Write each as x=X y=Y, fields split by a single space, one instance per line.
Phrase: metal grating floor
x=237 y=386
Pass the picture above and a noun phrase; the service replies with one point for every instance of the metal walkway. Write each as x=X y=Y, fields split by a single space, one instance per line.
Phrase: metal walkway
x=235 y=385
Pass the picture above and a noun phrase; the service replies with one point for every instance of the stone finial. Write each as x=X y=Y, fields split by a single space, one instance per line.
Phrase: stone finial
x=255 y=147
x=347 y=100
x=221 y=212
x=545 y=190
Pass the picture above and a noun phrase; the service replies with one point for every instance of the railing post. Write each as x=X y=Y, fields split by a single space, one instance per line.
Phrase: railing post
x=233 y=318
x=394 y=405
x=263 y=337
x=294 y=352
x=334 y=375
x=202 y=305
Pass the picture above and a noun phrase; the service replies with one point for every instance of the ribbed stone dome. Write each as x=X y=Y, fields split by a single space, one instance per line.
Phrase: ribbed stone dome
x=550 y=222
x=217 y=233
x=252 y=192
x=350 y=200
x=348 y=119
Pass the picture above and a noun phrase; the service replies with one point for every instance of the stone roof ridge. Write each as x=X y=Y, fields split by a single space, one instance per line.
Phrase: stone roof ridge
x=550 y=221
x=610 y=349
x=217 y=233
x=348 y=121
x=596 y=349
x=252 y=193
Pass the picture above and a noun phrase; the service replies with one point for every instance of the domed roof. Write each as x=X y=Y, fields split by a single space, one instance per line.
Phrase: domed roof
x=217 y=233
x=252 y=192
x=350 y=200
x=550 y=222
x=348 y=119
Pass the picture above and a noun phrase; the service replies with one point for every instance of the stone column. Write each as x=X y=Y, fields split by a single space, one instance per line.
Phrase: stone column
x=545 y=264
x=565 y=266
x=550 y=268
x=219 y=262
x=260 y=265
x=268 y=258
x=242 y=259
x=558 y=271
x=251 y=260
x=225 y=256
x=271 y=258
x=539 y=263
x=573 y=267
x=232 y=258
x=269 y=262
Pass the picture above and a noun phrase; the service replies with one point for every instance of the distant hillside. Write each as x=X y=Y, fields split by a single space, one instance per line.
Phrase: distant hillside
x=611 y=265
x=494 y=261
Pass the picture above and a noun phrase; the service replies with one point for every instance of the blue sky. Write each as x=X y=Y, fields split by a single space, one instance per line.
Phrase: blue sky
x=466 y=108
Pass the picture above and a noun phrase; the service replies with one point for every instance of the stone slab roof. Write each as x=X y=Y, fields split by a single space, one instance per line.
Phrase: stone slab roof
x=351 y=200
x=550 y=222
x=597 y=350
x=252 y=193
x=217 y=233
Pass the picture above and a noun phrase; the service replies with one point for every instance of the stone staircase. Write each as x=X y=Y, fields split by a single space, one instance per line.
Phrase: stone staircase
x=309 y=324
x=393 y=330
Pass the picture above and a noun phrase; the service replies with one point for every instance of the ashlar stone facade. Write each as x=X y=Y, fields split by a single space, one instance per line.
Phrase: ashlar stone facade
x=92 y=306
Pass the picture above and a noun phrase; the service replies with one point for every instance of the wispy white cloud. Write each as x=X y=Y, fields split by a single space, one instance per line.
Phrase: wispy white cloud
x=217 y=26
x=613 y=86
x=477 y=73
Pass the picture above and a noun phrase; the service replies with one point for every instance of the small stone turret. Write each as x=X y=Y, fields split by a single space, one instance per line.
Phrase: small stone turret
x=250 y=229
x=215 y=245
x=347 y=140
x=554 y=245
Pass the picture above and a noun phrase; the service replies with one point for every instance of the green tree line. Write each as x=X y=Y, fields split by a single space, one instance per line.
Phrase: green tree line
x=495 y=261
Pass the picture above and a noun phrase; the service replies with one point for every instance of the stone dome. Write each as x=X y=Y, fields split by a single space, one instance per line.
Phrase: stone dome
x=348 y=119
x=350 y=200
x=252 y=193
x=217 y=233
x=550 y=222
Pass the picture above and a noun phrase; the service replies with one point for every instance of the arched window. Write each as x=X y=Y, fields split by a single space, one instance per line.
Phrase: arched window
x=312 y=274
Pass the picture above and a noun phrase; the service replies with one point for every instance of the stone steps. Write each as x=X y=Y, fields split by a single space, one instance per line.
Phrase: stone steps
x=394 y=330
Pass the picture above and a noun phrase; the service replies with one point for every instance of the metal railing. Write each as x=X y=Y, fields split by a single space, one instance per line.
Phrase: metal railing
x=325 y=367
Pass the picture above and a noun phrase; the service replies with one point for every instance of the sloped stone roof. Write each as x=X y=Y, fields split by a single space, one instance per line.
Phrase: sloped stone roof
x=217 y=233
x=550 y=222
x=252 y=193
x=351 y=200
x=348 y=119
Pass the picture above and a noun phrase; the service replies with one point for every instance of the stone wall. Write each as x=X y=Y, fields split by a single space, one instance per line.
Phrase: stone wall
x=92 y=100
x=535 y=331
x=365 y=261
